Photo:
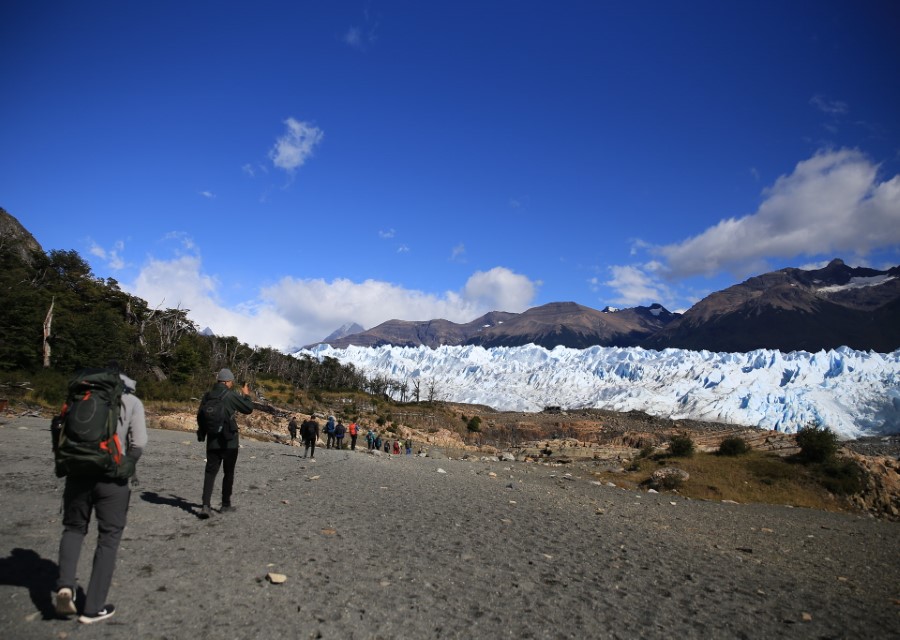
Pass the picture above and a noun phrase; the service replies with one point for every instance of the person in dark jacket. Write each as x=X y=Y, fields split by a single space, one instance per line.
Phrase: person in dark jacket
x=329 y=432
x=339 y=432
x=292 y=429
x=309 y=433
x=223 y=449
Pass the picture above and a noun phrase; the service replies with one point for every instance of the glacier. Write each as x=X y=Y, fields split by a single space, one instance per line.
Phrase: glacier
x=853 y=393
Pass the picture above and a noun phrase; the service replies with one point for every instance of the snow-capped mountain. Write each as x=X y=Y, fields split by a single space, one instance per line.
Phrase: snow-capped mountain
x=854 y=393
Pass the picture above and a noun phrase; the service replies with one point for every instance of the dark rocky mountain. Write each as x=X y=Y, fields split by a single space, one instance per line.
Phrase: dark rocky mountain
x=791 y=309
x=13 y=233
x=558 y=323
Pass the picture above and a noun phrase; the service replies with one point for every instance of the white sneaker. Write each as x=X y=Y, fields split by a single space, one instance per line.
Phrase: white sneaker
x=103 y=614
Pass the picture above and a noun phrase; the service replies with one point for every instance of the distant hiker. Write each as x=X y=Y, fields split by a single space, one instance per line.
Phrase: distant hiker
x=309 y=433
x=387 y=445
x=408 y=444
x=370 y=439
x=376 y=442
x=396 y=447
x=292 y=429
x=339 y=432
x=329 y=432
x=353 y=430
x=216 y=425
x=108 y=498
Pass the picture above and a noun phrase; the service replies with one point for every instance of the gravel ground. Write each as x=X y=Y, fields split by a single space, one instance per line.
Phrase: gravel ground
x=409 y=547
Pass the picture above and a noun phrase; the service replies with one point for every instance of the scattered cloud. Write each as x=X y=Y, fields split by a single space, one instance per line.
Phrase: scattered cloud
x=458 y=253
x=637 y=285
x=112 y=257
x=386 y=235
x=208 y=194
x=831 y=203
x=402 y=249
x=362 y=37
x=829 y=107
x=354 y=37
x=295 y=312
x=296 y=145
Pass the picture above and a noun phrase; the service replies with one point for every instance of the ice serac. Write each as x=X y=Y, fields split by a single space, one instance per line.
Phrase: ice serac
x=854 y=393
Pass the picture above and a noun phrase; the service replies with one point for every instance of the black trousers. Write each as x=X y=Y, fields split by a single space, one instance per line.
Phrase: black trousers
x=216 y=458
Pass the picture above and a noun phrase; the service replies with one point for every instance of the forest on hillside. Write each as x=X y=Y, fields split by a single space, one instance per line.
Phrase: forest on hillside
x=56 y=317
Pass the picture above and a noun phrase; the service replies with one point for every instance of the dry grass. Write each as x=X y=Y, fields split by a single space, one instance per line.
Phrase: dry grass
x=756 y=477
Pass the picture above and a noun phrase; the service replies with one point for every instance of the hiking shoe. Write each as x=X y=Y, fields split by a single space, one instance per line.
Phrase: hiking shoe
x=103 y=614
x=227 y=508
x=205 y=512
x=65 y=602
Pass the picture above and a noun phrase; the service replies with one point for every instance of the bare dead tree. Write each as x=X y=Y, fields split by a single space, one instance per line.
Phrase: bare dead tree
x=432 y=390
x=48 y=321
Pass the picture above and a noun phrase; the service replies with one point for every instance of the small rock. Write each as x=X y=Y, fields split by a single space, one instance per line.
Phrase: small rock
x=276 y=578
x=441 y=470
x=807 y=617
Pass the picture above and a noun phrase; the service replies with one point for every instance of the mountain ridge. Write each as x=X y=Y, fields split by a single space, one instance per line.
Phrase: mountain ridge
x=789 y=309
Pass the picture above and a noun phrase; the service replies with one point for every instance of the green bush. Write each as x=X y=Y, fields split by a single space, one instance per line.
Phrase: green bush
x=817 y=444
x=842 y=477
x=474 y=425
x=733 y=446
x=681 y=446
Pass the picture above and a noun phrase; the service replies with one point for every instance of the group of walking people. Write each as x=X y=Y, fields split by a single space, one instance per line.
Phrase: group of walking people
x=335 y=433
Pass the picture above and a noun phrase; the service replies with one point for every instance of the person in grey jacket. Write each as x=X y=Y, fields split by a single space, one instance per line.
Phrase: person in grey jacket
x=108 y=499
x=223 y=450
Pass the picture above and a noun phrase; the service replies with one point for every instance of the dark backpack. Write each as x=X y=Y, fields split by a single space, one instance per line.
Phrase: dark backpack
x=212 y=417
x=85 y=438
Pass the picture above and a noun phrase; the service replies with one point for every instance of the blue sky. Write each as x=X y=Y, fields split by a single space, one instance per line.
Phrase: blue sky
x=283 y=168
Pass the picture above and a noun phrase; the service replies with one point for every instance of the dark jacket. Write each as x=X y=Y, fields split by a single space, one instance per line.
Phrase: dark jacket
x=234 y=401
x=309 y=430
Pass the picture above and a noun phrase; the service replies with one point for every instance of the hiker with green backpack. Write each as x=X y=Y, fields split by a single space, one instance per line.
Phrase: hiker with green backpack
x=97 y=440
x=216 y=425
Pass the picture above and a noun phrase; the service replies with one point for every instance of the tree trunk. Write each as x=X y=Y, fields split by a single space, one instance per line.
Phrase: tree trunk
x=47 y=322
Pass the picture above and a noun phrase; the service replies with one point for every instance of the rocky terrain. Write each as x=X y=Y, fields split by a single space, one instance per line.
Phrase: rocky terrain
x=356 y=545
x=590 y=439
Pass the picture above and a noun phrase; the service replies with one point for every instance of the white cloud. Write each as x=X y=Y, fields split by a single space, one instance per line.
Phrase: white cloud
x=296 y=312
x=296 y=146
x=500 y=290
x=830 y=107
x=354 y=37
x=832 y=203
x=112 y=257
x=458 y=253
x=390 y=233
x=636 y=286
x=208 y=194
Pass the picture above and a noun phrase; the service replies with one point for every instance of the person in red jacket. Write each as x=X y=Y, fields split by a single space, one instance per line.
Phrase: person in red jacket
x=353 y=430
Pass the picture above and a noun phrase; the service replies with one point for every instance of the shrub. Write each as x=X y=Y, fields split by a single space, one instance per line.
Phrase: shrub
x=681 y=446
x=843 y=477
x=733 y=446
x=474 y=425
x=817 y=444
x=646 y=451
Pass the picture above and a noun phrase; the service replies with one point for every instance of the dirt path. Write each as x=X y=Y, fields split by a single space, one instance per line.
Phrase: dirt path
x=408 y=547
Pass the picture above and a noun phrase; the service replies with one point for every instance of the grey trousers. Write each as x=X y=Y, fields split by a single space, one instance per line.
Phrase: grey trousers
x=109 y=500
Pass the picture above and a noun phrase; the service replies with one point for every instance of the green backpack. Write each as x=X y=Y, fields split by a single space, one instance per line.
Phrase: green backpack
x=87 y=444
